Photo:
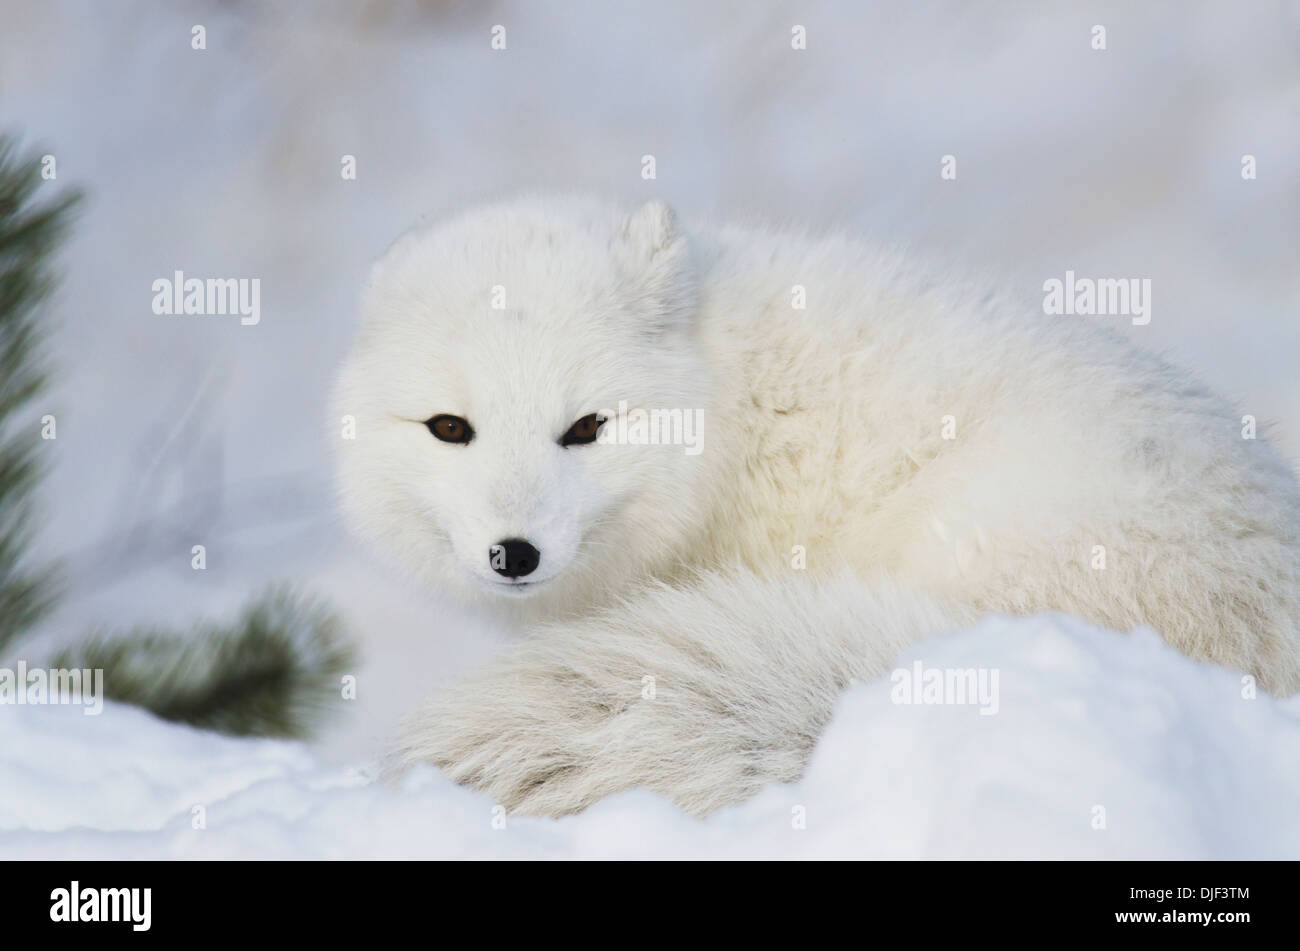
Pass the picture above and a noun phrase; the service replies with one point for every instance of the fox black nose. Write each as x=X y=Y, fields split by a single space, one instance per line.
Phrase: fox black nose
x=514 y=558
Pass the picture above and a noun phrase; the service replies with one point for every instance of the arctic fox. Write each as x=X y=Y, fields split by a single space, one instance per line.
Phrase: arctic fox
x=894 y=458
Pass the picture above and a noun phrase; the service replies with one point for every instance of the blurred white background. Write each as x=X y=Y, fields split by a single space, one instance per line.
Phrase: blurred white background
x=225 y=163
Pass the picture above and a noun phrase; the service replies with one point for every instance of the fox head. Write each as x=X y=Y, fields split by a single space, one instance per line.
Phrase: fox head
x=482 y=407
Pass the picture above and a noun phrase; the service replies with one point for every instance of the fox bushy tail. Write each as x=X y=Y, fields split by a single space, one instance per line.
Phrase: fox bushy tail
x=702 y=691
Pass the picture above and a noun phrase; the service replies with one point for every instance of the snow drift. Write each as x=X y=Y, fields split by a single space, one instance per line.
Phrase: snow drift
x=1102 y=745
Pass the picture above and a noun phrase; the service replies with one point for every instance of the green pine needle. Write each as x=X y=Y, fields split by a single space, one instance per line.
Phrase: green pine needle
x=274 y=672
x=30 y=232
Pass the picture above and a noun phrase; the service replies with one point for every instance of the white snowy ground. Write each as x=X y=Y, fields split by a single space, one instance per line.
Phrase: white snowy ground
x=1089 y=725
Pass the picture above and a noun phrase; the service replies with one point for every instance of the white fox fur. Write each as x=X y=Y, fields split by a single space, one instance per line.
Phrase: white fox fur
x=675 y=642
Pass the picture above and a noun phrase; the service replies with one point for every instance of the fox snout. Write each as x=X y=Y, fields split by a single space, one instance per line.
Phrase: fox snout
x=514 y=558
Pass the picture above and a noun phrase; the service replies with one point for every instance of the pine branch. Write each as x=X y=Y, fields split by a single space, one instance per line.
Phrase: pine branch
x=30 y=232
x=272 y=673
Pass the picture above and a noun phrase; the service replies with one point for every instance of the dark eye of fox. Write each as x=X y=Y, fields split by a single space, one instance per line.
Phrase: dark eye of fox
x=583 y=431
x=450 y=428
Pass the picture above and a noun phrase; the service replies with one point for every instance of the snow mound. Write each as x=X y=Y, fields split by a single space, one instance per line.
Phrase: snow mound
x=1102 y=745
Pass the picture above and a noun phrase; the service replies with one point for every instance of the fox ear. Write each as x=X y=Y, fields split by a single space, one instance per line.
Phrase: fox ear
x=651 y=229
x=656 y=262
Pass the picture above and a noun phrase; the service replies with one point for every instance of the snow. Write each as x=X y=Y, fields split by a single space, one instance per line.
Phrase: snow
x=1182 y=763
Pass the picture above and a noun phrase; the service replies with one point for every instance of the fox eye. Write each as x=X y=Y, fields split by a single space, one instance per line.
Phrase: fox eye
x=450 y=428
x=583 y=431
